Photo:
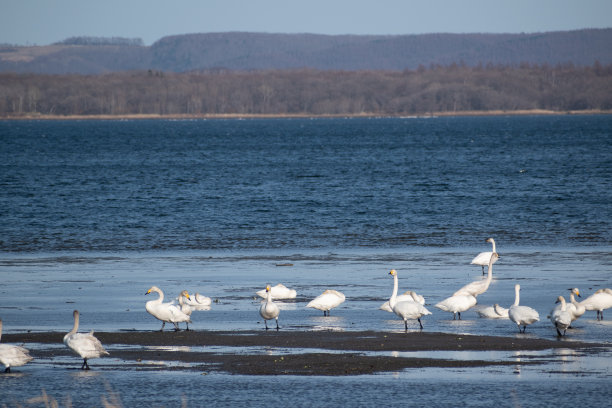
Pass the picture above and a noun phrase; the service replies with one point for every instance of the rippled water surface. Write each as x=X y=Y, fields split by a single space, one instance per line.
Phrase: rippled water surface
x=94 y=213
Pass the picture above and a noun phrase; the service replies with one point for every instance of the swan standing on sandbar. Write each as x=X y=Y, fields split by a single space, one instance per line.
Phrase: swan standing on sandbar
x=185 y=308
x=408 y=309
x=268 y=309
x=166 y=312
x=327 y=301
x=483 y=258
x=578 y=309
x=85 y=345
x=479 y=287
x=279 y=291
x=522 y=315
x=457 y=304
x=407 y=295
x=599 y=301
x=560 y=317
x=11 y=355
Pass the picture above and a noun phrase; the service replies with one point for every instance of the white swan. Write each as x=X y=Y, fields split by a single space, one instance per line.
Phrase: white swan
x=185 y=308
x=578 y=309
x=198 y=302
x=599 y=301
x=166 y=312
x=560 y=317
x=85 y=345
x=327 y=301
x=457 y=304
x=407 y=295
x=11 y=355
x=483 y=258
x=522 y=315
x=492 y=312
x=408 y=309
x=279 y=291
x=479 y=287
x=268 y=309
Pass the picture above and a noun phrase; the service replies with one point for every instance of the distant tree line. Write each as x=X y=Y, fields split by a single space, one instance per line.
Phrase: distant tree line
x=311 y=92
x=102 y=41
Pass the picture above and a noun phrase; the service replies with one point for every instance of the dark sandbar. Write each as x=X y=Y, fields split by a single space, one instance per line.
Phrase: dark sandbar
x=346 y=357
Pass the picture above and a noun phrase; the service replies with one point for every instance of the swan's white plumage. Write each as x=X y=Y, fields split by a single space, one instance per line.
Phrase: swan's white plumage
x=408 y=309
x=327 y=301
x=483 y=258
x=578 y=309
x=166 y=312
x=268 y=309
x=522 y=315
x=560 y=317
x=85 y=345
x=480 y=286
x=184 y=307
x=492 y=312
x=11 y=355
x=457 y=304
x=599 y=301
x=198 y=302
x=407 y=295
x=278 y=291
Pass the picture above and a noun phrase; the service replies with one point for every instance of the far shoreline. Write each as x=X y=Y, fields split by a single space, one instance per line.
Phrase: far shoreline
x=525 y=112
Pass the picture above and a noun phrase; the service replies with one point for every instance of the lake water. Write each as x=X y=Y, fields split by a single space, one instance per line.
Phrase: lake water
x=96 y=212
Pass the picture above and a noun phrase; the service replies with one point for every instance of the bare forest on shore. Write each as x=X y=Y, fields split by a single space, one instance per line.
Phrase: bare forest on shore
x=425 y=90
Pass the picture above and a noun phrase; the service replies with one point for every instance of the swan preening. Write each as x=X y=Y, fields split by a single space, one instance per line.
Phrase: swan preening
x=521 y=315
x=599 y=301
x=166 y=312
x=279 y=291
x=483 y=258
x=85 y=345
x=492 y=312
x=457 y=304
x=560 y=317
x=407 y=309
x=11 y=355
x=327 y=301
x=268 y=309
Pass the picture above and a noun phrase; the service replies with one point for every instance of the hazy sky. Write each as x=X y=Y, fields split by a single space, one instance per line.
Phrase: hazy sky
x=46 y=21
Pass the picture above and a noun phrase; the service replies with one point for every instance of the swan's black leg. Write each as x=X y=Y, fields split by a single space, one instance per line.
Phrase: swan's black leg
x=266 y=323
x=482 y=269
x=420 y=324
x=277 y=325
x=559 y=333
x=162 y=328
x=454 y=316
x=7 y=370
x=176 y=327
x=85 y=366
x=406 y=325
x=459 y=313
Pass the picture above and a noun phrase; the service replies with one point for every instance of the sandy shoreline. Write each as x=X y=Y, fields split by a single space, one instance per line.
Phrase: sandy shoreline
x=348 y=351
x=298 y=116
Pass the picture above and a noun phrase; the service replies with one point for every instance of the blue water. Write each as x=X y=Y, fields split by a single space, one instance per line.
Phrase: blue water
x=93 y=213
x=300 y=183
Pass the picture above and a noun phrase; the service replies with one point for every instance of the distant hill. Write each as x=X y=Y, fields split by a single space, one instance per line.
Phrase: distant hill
x=262 y=51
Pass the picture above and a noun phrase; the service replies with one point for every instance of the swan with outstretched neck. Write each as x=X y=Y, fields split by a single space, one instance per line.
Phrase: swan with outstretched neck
x=483 y=258
x=166 y=312
x=479 y=287
x=268 y=309
x=522 y=315
x=408 y=309
x=85 y=345
x=11 y=355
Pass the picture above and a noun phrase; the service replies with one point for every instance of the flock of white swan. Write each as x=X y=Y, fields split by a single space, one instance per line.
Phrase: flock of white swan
x=407 y=306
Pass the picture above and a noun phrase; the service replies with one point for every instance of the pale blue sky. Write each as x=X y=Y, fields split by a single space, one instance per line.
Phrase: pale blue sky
x=41 y=22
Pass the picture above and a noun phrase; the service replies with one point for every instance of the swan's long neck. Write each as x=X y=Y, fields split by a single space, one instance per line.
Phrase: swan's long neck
x=490 y=271
x=269 y=296
x=573 y=299
x=393 y=298
x=75 y=327
x=517 y=296
x=161 y=295
x=562 y=300
x=493 y=243
x=0 y=329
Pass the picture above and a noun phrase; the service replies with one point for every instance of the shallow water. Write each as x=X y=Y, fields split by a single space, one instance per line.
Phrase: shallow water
x=109 y=290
